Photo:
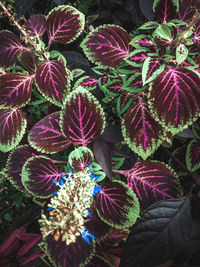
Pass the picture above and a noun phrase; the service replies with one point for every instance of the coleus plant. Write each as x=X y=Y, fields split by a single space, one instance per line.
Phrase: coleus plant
x=153 y=80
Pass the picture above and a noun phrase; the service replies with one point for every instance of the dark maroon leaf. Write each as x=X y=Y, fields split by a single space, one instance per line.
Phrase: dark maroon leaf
x=102 y=153
x=36 y=25
x=64 y=24
x=137 y=57
x=76 y=254
x=161 y=233
x=37 y=174
x=10 y=48
x=15 y=162
x=187 y=10
x=112 y=86
x=15 y=90
x=87 y=82
x=112 y=134
x=141 y=131
x=46 y=135
x=28 y=61
x=151 y=181
x=12 y=125
x=53 y=81
x=80 y=158
x=174 y=98
x=179 y=153
x=165 y=10
x=82 y=117
x=107 y=45
x=193 y=155
x=116 y=205
x=98 y=261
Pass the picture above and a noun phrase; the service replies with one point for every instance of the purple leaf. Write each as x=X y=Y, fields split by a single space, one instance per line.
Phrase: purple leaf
x=36 y=25
x=64 y=24
x=112 y=134
x=12 y=125
x=15 y=90
x=112 y=86
x=10 y=48
x=117 y=205
x=53 y=81
x=80 y=158
x=78 y=253
x=37 y=174
x=187 y=10
x=87 y=82
x=140 y=130
x=151 y=181
x=15 y=162
x=165 y=10
x=173 y=99
x=82 y=117
x=46 y=135
x=137 y=57
x=193 y=155
x=102 y=153
x=28 y=61
x=98 y=261
x=107 y=45
x=179 y=153
x=151 y=69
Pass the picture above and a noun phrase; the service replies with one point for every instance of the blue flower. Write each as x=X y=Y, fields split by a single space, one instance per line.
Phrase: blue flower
x=86 y=235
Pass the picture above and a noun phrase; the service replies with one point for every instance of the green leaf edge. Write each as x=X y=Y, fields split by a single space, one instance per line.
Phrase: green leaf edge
x=188 y=158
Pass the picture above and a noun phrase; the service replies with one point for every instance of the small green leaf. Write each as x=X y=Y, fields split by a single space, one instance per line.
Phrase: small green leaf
x=149 y=25
x=181 y=53
x=163 y=32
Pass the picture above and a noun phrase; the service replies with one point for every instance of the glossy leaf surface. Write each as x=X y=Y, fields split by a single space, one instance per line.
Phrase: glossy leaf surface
x=152 y=181
x=174 y=98
x=64 y=24
x=140 y=130
x=46 y=135
x=15 y=90
x=37 y=175
x=10 y=48
x=12 y=125
x=53 y=81
x=107 y=45
x=117 y=205
x=161 y=233
x=82 y=117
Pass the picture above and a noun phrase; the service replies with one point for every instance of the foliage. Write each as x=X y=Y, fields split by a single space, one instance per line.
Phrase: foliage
x=82 y=141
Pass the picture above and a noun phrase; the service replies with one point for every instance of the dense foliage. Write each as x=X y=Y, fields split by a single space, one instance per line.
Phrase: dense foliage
x=104 y=139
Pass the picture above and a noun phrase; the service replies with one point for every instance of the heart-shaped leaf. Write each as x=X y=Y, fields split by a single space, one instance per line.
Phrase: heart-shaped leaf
x=10 y=48
x=64 y=24
x=80 y=158
x=12 y=125
x=193 y=155
x=15 y=162
x=76 y=254
x=53 y=81
x=173 y=98
x=151 y=181
x=46 y=135
x=140 y=130
x=161 y=233
x=107 y=45
x=37 y=25
x=82 y=117
x=37 y=174
x=165 y=10
x=117 y=205
x=15 y=90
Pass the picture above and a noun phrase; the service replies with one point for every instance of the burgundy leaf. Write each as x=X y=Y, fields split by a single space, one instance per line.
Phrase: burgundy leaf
x=169 y=38
x=102 y=153
x=28 y=61
x=10 y=48
x=123 y=102
x=140 y=130
x=151 y=181
x=80 y=158
x=15 y=162
x=98 y=261
x=37 y=25
x=12 y=125
x=64 y=24
x=76 y=254
x=37 y=174
x=187 y=10
x=193 y=155
x=174 y=98
x=82 y=117
x=117 y=205
x=137 y=57
x=87 y=82
x=15 y=89
x=107 y=45
x=165 y=10
x=53 y=81
x=179 y=153
x=112 y=86
x=46 y=135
